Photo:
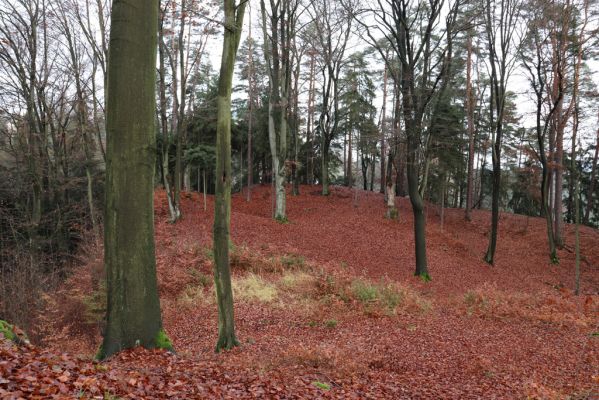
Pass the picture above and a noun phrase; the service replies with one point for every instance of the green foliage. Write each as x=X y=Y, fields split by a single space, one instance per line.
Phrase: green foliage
x=162 y=341
x=7 y=330
x=331 y=323
x=100 y=355
x=425 y=277
x=364 y=291
x=201 y=155
x=321 y=385
x=95 y=304
x=209 y=253
x=282 y=220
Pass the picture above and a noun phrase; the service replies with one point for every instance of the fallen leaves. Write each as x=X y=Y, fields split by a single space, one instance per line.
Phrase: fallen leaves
x=521 y=338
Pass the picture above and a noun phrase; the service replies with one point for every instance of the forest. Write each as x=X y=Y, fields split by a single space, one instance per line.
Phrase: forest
x=384 y=199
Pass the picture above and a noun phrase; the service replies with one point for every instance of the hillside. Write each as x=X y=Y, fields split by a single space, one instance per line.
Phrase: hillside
x=327 y=307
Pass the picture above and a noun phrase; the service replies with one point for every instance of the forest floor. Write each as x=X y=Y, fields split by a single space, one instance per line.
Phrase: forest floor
x=327 y=306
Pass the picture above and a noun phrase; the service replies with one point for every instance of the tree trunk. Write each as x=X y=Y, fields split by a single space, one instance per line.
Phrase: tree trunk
x=310 y=124
x=471 y=132
x=325 y=170
x=172 y=206
x=558 y=189
x=577 y=239
x=383 y=131
x=250 y=108
x=587 y=213
x=222 y=206
x=417 y=209
x=133 y=312
x=350 y=178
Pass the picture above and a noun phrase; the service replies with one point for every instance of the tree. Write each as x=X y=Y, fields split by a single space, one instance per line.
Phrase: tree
x=535 y=65
x=411 y=30
x=332 y=29
x=591 y=190
x=471 y=130
x=133 y=312
x=501 y=22
x=281 y=18
x=222 y=209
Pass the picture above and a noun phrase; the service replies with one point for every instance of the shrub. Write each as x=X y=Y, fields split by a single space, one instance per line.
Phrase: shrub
x=365 y=292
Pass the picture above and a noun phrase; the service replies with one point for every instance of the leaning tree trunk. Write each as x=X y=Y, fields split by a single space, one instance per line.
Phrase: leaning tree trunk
x=133 y=313
x=222 y=206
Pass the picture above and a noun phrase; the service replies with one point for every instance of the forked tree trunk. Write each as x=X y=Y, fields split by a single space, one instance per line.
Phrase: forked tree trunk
x=133 y=312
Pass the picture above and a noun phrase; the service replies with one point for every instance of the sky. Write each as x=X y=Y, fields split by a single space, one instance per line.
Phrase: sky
x=518 y=82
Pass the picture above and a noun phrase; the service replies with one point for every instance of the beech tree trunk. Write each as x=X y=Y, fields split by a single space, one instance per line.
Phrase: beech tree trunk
x=133 y=313
x=222 y=206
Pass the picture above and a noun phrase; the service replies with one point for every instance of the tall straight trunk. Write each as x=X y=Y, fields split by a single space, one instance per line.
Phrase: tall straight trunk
x=384 y=130
x=442 y=199
x=500 y=59
x=310 y=123
x=278 y=147
x=546 y=170
x=174 y=212
x=187 y=178
x=577 y=236
x=372 y=172
x=471 y=132
x=558 y=189
x=590 y=193
x=350 y=178
x=345 y=156
x=575 y=122
x=483 y=167
x=277 y=54
x=222 y=206
x=133 y=311
x=324 y=167
x=250 y=109
x=296 y=139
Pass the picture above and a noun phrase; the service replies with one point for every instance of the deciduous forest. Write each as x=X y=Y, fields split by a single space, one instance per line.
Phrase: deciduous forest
x=292 y=199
